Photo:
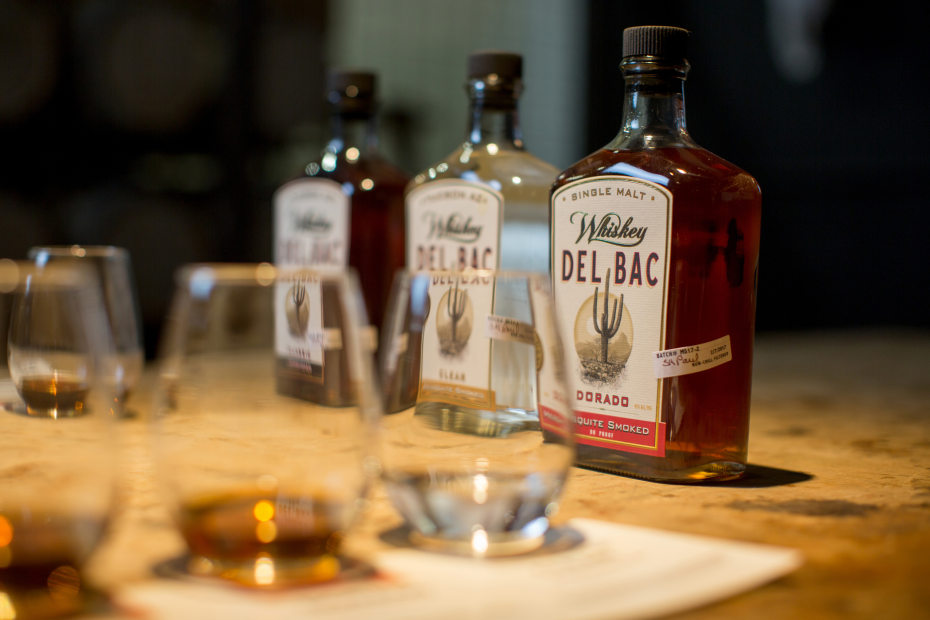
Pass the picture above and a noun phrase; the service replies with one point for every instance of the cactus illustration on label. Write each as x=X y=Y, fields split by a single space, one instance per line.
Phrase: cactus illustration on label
x=453 y=324
x=298 y=313
x=603 y=335
x=455 y=306
x=605 y=329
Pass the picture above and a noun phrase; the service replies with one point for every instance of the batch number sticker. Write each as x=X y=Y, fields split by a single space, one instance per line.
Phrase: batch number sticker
x=688 y=360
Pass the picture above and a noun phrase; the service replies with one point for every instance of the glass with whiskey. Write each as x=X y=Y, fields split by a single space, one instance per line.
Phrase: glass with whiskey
x=263 y=485
x=56 y=451
x=111 y=268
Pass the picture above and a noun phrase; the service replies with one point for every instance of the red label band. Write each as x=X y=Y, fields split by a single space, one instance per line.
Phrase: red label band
x=622 y=434
x=552 y=420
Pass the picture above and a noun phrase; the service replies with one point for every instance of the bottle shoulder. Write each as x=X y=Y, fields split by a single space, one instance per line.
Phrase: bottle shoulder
x=502 y=169
x=356 y=169
x=676 y=168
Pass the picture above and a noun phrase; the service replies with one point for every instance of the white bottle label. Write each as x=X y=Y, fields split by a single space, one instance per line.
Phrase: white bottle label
x=611 y=240
x=456 y=351
x=311 y=229
x=311 y=224
x=299 y=334
x=453 y=225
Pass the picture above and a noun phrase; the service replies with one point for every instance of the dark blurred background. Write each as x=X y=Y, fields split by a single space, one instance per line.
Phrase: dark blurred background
x=164 y=125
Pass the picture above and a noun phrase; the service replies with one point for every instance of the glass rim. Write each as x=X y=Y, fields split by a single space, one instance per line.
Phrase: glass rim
x=500 y=273
x=261 y=273
x=79 y=251
x=405 y=278
x=15 y=275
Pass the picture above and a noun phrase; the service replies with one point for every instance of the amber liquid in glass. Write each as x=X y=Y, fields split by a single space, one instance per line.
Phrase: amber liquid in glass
x=299 y=535
x=40 y=560
x=711 y=292
x=53 y=396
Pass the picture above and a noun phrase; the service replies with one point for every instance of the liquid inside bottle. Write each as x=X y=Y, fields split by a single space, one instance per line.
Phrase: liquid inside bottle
x=665 y=236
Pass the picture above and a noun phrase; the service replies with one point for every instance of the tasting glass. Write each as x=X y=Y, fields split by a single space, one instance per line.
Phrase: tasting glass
x=265 y=421
x=477 y=436
x=57 y=481
x=112 y=269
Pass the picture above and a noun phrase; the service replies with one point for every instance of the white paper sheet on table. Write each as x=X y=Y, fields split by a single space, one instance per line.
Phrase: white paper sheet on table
x=617 y=572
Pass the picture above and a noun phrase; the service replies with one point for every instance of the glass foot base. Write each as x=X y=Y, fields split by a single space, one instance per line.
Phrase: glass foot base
x=478 y=422
x=481 y=544
x=268 y=572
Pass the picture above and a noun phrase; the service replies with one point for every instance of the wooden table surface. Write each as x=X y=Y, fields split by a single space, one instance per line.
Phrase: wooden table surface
x=840 y=470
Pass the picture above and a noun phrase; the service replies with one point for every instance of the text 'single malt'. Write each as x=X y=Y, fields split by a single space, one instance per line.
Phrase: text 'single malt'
x=654 y=259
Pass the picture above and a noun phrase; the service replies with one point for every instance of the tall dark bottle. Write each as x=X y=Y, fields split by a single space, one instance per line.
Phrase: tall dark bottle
x=347 y=209
x=655 y=246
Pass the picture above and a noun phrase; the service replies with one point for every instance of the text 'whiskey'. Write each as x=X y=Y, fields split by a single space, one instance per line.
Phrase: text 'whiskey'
x=655 y=245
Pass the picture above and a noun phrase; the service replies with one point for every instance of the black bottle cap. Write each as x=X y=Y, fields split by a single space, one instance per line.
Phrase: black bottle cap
x=669 y=42
x=351 y=91
x=507 y=65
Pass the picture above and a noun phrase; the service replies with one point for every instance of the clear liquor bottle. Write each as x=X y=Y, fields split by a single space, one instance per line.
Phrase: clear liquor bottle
x=655 y=263
x=485 y=206
x=347 y=209
x=494 y=158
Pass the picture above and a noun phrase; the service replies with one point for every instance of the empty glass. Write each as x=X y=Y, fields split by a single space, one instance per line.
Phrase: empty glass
x=478 y=439
x=264 y=420
x=56 y=466
x=111 y=267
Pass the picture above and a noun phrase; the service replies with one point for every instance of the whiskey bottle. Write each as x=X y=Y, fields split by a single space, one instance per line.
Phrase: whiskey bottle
x=655 y=245
x=347 y=209
x=485 y=206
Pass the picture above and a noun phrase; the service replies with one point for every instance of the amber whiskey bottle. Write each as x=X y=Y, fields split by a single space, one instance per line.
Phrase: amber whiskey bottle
x=655 y=245
x=347 y=209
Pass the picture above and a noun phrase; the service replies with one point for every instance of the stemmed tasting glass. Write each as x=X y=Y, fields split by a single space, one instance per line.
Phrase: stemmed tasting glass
x=56 y=448
x=265 y=421
x=111 y=267
x=478 y=435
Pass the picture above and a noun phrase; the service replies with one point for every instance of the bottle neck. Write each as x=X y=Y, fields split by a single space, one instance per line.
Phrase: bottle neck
x=653 y=106
x=353 y=130
x=494 y=119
